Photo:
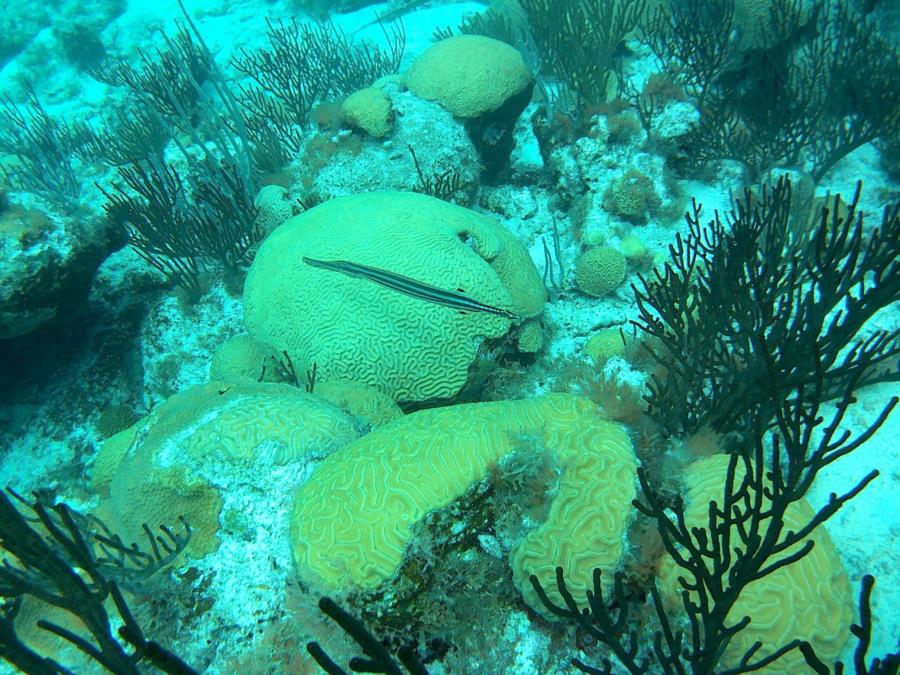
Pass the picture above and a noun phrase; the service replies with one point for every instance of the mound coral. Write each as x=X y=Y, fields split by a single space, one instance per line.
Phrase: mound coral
x=243 y=360
x=632 y=197
x=469 y=75
x=408 y=347
x=809 y=599
x=531 y=337
x=600 y=270
x=605 y=344
x=274 y=207
x=367 y=404
x=164 y=467
x=480 y=80
x=368 y=109
x=353 y=519
x=636 y=251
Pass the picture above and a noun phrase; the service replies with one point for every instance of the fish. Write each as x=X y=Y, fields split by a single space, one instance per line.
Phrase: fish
x=408 y=286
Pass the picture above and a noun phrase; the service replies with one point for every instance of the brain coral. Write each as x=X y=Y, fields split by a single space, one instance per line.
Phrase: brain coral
x=599 y=270
x=632 y=197
x=353 y=329
x=469 y=75
x=243 y=360
x=369 y=109
x=367 y=404
x=605 y=344
x=274 y=207
x=167 y=464
x=531 y=337
x=351 y=520
x=809 y=600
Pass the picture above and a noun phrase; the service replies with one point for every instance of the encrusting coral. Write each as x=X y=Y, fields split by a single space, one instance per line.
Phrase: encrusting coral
x=163 y=467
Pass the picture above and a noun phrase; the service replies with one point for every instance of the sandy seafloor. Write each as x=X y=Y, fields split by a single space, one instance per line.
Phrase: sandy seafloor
x=48 y=439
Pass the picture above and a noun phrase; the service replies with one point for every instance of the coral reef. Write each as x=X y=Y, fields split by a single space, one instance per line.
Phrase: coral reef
x=328 y=344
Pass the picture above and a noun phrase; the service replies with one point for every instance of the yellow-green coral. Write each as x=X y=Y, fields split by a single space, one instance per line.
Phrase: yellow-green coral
x=369 y=109
x=809 y=599
x=156 y=471
x=352 y=520
x=243 y=360
x=354 y=329
x=600 y=270
x=469 y=75
x=605 y=344
x=632 y=196
x=367 y=404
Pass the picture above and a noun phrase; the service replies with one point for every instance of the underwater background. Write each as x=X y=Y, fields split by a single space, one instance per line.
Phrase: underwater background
x=467 y=318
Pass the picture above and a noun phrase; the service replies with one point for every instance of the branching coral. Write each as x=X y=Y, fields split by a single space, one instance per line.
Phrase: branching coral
x=130 y=135
x=178 y=224
x=378 y=659
x=170 y=82
x=44 y=148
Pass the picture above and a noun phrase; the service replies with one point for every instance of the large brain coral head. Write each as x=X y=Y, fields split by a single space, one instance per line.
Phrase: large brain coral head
x=409 y=344
x=810 y=599
x=469 y=75
x=354 y=518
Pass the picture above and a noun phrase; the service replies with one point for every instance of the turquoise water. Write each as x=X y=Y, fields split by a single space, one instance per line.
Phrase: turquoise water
x=406 y=305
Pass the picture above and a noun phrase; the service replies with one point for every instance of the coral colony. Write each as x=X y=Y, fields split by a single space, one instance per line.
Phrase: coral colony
x=430 y=336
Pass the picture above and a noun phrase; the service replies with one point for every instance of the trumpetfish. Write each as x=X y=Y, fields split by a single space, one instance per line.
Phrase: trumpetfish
x=408 y=286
